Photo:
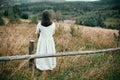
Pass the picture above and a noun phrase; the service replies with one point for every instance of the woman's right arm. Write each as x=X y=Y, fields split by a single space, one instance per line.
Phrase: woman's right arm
x=38 y=30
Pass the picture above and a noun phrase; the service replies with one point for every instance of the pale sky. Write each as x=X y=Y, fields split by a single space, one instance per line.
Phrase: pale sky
x=82 y=0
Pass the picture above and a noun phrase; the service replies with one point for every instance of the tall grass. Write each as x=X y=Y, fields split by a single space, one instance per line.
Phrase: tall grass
x=14 y=40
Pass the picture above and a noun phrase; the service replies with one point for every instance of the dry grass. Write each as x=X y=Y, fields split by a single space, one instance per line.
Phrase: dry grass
x=14 y=40
x=82 y=36
x=100 y=37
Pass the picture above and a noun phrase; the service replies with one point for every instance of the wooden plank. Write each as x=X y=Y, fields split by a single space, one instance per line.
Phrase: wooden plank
x=59 y=54
x=31 y=51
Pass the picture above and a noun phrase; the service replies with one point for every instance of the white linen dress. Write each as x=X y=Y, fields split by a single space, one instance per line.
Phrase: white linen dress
x=45 y=46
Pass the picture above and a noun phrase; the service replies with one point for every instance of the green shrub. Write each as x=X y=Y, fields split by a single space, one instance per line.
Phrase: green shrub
x=24 y=16
x=34 y=20
x=12 y=16
x=73 y=31
x=1 y=21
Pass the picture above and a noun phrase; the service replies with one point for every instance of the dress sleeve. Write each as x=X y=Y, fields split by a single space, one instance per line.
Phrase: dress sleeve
x=37 y=29
x=54 y=28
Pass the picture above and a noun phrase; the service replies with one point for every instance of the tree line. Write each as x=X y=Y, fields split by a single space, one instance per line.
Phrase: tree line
x=85 y=13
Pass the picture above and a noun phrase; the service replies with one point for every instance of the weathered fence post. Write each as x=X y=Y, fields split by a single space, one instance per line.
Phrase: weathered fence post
x=31 y=51
x=117 y=38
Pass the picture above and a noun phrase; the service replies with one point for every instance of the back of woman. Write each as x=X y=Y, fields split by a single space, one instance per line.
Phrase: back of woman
x=45 y=30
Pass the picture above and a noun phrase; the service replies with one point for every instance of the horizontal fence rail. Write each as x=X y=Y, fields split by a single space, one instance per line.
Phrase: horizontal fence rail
x=59 y=54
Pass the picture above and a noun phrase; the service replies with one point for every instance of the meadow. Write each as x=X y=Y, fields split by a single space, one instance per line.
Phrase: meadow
x=14 y=40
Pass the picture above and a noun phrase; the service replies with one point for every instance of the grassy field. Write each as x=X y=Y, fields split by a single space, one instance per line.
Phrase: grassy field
x=112 y=21
x=14 y=40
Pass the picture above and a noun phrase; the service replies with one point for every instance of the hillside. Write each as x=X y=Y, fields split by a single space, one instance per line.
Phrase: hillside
x=32 y=1
x=101 y=13
x=15 y=40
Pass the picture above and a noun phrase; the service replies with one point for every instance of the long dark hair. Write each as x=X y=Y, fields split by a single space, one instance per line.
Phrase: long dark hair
x=46 y=18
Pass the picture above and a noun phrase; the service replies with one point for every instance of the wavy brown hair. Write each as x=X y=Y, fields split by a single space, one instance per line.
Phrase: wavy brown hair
x=46 y=18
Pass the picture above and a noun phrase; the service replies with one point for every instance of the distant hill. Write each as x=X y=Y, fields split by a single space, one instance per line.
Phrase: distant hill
x=103 y=13
x=30 y=1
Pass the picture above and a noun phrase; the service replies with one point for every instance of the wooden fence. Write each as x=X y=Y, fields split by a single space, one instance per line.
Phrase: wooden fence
x=31 y=54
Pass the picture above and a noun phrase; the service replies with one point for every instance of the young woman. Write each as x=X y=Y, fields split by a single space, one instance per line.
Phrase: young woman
x=45 y=46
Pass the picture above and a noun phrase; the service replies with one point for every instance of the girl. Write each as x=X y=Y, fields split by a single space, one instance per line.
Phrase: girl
x=45 y=45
